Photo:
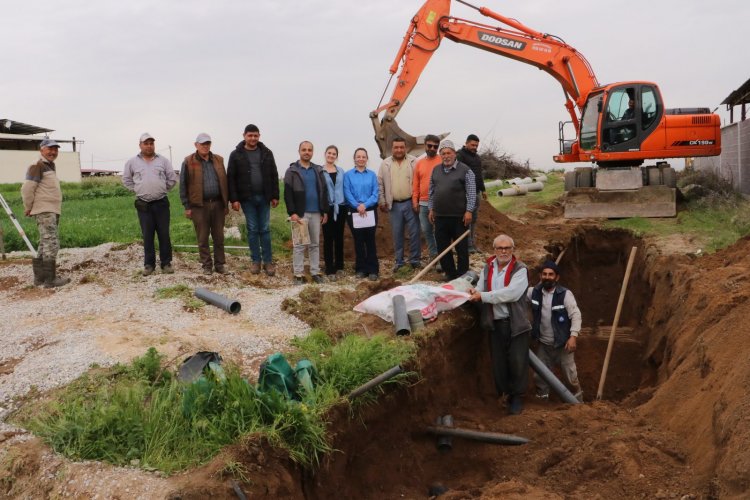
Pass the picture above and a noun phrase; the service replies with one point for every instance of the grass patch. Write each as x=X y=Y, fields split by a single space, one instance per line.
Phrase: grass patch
x=518 y=205
x=139 y=414
x=189 y=301
x=100 y=210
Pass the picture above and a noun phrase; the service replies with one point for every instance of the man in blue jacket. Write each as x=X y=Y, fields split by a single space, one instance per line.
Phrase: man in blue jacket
x=556 y=325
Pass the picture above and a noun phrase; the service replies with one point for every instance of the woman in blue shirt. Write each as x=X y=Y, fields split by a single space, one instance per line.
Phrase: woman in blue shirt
x=361 y=194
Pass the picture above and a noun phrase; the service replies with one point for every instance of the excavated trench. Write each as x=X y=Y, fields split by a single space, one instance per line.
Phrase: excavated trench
x=388 y=454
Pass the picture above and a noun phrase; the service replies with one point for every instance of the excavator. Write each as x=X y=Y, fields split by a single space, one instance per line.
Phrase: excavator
x=618 y=126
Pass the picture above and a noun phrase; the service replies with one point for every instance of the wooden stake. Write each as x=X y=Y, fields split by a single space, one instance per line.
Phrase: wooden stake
x=611 y=342
x=437 y=259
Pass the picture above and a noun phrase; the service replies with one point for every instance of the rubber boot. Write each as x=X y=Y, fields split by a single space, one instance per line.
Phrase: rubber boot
x=50 y=278
x=36 y=264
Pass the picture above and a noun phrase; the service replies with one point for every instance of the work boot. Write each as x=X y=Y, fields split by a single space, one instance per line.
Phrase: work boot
x=269 y=268
x=167 y=269
x=50 y=279
x=515 y=405
x=36 y=264
x=147 y=270
x=255 y=268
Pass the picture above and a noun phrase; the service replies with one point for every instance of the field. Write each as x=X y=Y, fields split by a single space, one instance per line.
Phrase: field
x=100 y=210
x=669 y=424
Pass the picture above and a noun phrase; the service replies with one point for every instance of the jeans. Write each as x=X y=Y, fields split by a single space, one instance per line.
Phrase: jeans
x=427 y=230
x=209 y=220
x=156 y=219
x=257 y=212
x=403 y=216
x=510 y=359
x=365 y=249
x=447 y=230
x=298 y=252
x=333 y=240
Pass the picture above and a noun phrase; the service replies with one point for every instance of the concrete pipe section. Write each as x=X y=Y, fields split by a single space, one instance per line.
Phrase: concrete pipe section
x=534 y=187
x=229 y=305
x=516 y=190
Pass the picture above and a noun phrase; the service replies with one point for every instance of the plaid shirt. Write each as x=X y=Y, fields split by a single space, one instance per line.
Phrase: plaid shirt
x=471 y=188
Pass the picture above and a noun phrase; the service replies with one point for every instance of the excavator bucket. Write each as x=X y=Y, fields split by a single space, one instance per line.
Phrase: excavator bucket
x=387 y=130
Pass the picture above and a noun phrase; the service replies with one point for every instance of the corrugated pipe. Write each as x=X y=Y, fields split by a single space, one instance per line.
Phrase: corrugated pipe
x=229 y=305
x=550 y=378
x=487 y=437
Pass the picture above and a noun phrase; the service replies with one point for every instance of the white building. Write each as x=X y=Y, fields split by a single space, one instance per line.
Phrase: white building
x=19 y=148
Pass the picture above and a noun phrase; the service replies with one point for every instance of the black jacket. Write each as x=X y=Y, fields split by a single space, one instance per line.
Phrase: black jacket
x=294 y=190
x=238 y=174
x=474 y=162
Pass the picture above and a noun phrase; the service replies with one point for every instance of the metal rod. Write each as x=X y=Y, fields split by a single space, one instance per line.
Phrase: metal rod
x=225 y=246
x=18 y=226
x=375 y=382
x=487 y=437
x=611 y=342
x=437 y=259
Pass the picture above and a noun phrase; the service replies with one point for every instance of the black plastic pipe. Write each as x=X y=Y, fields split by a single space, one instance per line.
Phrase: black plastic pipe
x=550 y=378
x=229 y=305
x=487 y=437
x=400 y=316
x=375 y=382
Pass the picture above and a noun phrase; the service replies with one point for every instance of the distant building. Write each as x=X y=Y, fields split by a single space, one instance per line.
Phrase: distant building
x=19 y=148
x=734 y=162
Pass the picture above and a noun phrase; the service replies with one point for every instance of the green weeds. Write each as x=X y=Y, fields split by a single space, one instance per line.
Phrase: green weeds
x=183 y=292
x=140 y=414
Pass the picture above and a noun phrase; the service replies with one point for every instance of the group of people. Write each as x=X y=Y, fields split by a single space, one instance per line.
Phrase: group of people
x=439 y=204
x=504 y=294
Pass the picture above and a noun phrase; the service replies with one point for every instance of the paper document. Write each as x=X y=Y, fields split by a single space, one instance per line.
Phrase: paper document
x=360 y=222
x=300 y=233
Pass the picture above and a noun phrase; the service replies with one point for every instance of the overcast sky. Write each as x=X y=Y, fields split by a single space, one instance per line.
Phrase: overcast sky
x=106 y=71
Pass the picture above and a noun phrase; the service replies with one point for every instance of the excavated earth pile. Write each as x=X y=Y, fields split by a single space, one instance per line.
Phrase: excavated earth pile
x=673 y=422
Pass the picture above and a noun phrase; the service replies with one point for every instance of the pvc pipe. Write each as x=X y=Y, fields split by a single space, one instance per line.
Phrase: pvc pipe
x=539 y=178
x=229 y=305
x=550 y=378
x=445 y=443
x=534 y=187
x=375 y=382
x=487 y=437
x=400 y=316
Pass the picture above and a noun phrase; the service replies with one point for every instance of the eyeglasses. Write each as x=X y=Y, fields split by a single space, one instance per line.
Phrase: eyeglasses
x=504 y=249
x=431 y=146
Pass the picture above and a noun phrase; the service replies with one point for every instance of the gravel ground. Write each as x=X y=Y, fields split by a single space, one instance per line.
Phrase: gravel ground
x=108 y=314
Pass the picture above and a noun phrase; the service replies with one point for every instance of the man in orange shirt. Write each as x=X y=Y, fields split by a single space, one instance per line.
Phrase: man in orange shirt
x=420 y=194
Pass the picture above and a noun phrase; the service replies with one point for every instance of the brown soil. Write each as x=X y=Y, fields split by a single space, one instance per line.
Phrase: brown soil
x=673 y=422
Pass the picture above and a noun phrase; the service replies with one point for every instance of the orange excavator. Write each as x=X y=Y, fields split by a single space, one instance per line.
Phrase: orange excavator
x=618 y=125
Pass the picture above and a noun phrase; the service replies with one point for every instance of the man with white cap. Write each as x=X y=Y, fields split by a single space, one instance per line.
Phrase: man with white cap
x=150 y=176
x=453 y=197
x=205 y=196
x=42 y=199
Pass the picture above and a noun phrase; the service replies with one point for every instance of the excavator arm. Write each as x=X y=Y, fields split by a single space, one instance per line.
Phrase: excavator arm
x=433 y=22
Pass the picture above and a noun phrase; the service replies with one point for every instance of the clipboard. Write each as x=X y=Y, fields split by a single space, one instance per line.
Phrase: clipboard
x=359 y=222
